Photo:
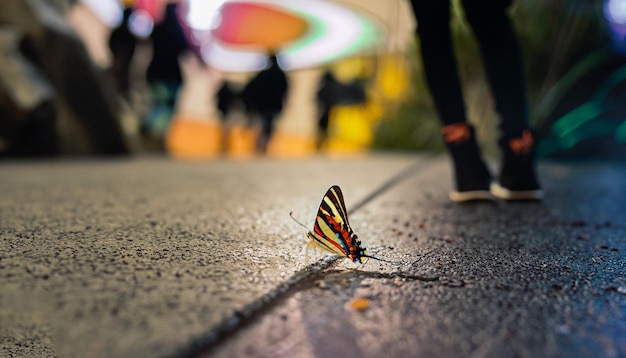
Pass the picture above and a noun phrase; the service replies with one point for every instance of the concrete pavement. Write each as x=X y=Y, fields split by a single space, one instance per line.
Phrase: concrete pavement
x=152 y=257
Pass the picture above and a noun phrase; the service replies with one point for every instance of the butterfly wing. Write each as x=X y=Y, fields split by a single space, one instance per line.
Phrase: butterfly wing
x=332 y=231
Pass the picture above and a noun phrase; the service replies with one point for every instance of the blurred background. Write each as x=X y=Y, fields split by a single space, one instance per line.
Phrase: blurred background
x=288 y=78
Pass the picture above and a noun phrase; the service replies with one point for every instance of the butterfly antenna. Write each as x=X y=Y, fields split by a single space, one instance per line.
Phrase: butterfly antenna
x=383 y=260
x=296 y=220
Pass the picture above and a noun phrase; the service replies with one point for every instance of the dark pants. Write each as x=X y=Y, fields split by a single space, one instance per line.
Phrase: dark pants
x=268 y=117
x=501 y=56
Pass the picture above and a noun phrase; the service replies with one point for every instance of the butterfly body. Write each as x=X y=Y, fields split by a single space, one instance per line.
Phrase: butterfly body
x=332 y=231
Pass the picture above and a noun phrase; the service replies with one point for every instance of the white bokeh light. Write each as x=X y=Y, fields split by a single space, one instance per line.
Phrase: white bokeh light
x=232 y=60
x=140 y=23
x=615 y=11
x=203 y=14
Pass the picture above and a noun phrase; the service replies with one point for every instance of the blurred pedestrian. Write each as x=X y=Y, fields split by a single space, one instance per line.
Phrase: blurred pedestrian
x=502 y=59
x=169 y=43
x=333 y=93
x=27 y=112
x=264 y=96
x=326 y=100
x=122 y=43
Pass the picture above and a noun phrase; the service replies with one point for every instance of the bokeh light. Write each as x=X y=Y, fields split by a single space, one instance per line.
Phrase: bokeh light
x=615 y=14
x=335 y=32
x=303 y=33
x=257 y=25
x=203 y=15
x=154 y=8
x=230 y=60
x=140 y=23
x=615 y=11
x=109 y=11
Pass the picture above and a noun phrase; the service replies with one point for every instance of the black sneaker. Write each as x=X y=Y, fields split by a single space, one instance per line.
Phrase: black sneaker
x=517 y=179
x=471 y=175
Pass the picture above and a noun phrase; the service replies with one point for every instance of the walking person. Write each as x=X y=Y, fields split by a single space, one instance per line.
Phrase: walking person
x=502 y=59
x=164 y=75
x=264 y=96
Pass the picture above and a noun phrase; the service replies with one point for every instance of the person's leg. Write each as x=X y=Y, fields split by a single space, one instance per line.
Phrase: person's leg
x=267 y=128
x=502 y=58
x=504 y=67
x=440 y=67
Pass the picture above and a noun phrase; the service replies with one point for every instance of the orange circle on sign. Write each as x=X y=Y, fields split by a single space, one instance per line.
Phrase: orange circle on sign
x=246 y=24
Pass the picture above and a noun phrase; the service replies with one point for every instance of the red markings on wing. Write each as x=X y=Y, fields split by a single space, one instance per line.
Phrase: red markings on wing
x=319 y=232
x=345 y=235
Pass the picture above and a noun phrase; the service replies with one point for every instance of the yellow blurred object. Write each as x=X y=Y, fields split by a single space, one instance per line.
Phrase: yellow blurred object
x=241 y=142
x=283 y=145
x=351 y=127
x=339 y=149
x=350 y=130
x=373 y=111
x=359 y=304
x=128 y=3
x=393 y=77
x=192 y=138
x=348 y=69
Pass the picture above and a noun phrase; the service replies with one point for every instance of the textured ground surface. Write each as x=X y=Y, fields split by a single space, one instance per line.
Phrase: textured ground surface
x=151 y=257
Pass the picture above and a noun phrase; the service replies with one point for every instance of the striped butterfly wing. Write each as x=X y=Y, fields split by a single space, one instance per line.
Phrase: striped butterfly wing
x=332 y=231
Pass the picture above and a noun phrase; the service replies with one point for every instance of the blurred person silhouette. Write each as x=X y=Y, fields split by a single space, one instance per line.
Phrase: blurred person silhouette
x=502 y=58
x=226 y=96
x=326 y=99
x=28 y=114
x=122 y=43
x=333 y=93
x=164 y=74
x=264 y=96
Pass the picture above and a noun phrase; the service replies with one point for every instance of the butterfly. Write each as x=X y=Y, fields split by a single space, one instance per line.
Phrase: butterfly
x=332 y=231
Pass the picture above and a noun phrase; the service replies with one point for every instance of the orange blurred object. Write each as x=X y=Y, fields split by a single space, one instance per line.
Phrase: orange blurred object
x=283 y=145
x=359 y=304
x=193 y=139
x=247 y=24
x=241 y=142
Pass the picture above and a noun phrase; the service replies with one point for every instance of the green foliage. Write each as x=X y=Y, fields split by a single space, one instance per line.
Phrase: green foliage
x=413 y=127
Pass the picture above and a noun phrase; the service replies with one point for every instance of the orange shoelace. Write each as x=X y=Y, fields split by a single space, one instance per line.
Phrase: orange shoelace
x=456 y=133
x=522 y=145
